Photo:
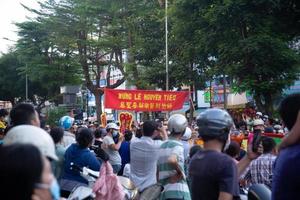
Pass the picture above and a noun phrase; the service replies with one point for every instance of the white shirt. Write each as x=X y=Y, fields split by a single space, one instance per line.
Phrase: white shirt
x=126 y=170
x=186 y=147
x=68 y=139
x=114 y=156
x=144 y=154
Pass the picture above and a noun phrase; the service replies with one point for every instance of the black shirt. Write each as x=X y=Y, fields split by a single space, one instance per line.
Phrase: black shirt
x=212 y=172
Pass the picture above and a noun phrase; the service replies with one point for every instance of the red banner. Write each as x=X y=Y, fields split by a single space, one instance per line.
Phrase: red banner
x=144 y=100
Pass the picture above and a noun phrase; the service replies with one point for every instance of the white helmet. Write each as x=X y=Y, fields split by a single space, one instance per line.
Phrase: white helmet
x=112 y=126
x=277 y=127
x=177 y=123
x=259 y=114
x=187 y=134
x=27 y=134
x=258 y=122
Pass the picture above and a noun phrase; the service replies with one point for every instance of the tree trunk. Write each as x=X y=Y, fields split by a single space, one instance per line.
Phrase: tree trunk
x=258 y=102
x=98 y=94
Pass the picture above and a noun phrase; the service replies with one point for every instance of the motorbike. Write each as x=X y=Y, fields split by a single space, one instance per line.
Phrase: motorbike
x=86 y=192
x=259 y=192
x=256 y=192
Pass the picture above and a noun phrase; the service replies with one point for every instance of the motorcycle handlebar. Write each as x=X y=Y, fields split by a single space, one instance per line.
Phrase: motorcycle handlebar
x=79 y=169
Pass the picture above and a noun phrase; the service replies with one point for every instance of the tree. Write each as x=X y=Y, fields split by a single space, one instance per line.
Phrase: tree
x=12 y=83
x=47 y=66
x=244 y=40
x=89 y=31
x=146 y=28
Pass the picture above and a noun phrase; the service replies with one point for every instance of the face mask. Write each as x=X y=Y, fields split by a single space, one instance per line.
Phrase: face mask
x=54 y=190
x=115 y=133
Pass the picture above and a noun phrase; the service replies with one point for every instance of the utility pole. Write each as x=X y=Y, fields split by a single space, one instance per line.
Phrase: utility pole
x=225 y=91
x=166 y=39
x=26 y=85
x=210 y=93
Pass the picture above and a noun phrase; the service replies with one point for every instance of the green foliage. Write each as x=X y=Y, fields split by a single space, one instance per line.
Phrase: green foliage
x=245 y=42
x=145 y=28
x=54 y=114
x=47 y=66
x=255 y=43
x=82 y=34
x=12 y=83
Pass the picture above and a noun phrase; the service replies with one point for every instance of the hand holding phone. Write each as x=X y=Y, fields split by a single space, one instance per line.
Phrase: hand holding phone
x=256 y=140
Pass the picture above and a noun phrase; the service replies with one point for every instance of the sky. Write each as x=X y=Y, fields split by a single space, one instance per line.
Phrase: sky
x=11 y=11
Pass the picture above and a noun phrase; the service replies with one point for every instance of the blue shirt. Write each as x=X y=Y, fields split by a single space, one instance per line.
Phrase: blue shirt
x=82 y=158
x=212 y=172
x=286 y=178
x=125 y=152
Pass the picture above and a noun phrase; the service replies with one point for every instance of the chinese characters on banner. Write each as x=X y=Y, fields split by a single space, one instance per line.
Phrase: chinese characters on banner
x=125 y=119
x=144 y=100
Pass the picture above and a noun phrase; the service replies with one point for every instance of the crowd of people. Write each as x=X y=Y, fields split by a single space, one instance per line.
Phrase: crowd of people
x=163 y=159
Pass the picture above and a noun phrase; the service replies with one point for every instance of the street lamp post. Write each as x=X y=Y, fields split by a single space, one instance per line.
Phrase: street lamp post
x=166 y=42
x=26 y=85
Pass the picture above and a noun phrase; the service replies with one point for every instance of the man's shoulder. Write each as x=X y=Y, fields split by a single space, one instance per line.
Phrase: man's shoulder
x=60 y=149
x=146 y=141
x=217 y=157
x=293 y=148
x=289 y=154
x=68 y=134
x=107 y=138
x=171 y=144
x=207 y=163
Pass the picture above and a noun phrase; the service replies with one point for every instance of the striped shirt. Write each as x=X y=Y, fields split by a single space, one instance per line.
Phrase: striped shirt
x=177 y=190
x=261 y=170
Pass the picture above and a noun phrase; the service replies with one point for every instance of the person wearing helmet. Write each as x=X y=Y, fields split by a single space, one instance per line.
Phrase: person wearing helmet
x=259 y=115
x=112 y=148
x=66 y=123
x=185 y=142
x=28 y=134
x=258 y=124
x=213 y=174
x=171 y=161
x=258 y=129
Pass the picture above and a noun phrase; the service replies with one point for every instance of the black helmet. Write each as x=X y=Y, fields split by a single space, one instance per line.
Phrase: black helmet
x=214 y=123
